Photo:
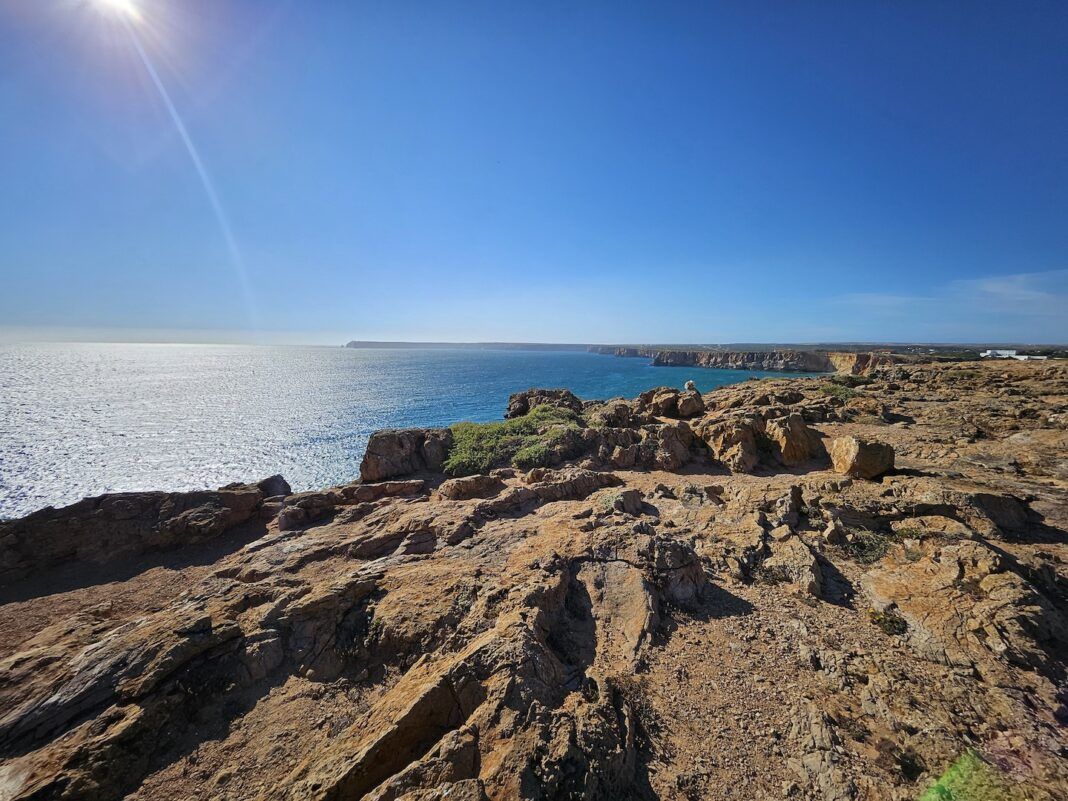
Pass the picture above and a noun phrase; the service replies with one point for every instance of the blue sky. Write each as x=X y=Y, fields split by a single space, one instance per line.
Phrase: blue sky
x=594 y=172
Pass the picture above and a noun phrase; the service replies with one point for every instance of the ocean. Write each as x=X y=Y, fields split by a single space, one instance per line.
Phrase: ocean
x=84 y=419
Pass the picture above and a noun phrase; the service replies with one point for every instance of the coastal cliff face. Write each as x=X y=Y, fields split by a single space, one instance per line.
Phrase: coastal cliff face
x=795 y=361
x=799 y=361
x=794 y=588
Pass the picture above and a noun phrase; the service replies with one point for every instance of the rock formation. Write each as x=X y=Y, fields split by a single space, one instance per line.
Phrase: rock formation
x=681 y=609
x=800 y=361
x=792 y=360
x=861 y=458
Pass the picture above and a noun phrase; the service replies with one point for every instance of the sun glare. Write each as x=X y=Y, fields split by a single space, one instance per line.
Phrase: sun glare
x=127 y=8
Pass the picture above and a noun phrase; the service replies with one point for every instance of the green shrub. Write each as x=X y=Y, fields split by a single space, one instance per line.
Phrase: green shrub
x=838 y=391
x=970 y=778
x=868 y=547
x=525 y=442
x=540 y=454
x=889 y=621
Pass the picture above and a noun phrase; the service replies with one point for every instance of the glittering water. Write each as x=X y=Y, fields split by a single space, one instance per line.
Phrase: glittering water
x=84 y=419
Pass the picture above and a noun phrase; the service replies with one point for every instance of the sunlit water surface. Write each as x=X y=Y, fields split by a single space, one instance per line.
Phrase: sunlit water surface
x=85 y=419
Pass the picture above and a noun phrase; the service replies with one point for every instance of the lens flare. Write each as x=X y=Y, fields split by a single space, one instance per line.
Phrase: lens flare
x=130 y=16
x=127 y=8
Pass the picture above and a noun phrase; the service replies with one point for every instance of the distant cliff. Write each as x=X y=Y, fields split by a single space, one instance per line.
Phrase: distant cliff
x=614 y=350
x=791 y=360
x=552 y=346
x=800 y=361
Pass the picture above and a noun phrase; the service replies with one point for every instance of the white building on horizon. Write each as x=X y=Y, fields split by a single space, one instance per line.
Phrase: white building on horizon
x=1009 y=354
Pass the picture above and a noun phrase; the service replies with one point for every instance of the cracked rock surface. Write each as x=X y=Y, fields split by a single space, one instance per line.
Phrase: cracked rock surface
x=696 y=605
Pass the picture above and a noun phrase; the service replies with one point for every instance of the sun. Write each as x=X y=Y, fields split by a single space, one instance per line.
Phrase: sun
x=127 y=8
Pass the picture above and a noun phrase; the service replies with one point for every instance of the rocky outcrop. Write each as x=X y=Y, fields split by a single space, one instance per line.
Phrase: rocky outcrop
x=733 y=440
x=521 y=403
x=861 y=458
x=401 y=452
x=125 y=525
x=862 y=363
x=743 y=439
x=461 y=489
x=792 y=441
x=963 y=606
x=671 y=402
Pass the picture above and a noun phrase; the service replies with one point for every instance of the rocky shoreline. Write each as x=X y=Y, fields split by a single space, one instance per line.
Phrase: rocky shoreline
x=851 y=587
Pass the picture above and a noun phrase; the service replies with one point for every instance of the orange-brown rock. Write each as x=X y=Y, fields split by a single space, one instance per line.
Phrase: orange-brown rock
x=861 y=458
x=675 y=628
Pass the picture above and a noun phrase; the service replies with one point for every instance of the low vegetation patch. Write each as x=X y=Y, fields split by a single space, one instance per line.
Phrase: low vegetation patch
x=867 y=547
x=838 y=391
x=534 y=440
x=852 y=381
x=889 y=621
x=971 y=778
x=775 y=574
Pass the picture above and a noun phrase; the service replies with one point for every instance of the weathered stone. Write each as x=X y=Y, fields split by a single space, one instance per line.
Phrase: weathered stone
x=628 y=501
x=520 y=403
x=792 y=440
x=794 y=562
x=459 y=489
x=120 y=526
x=401 y=452
x=689 y=404
x=733 y=441
x=861 y=458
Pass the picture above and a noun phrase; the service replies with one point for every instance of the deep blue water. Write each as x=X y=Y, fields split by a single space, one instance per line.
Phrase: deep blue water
x=85 y=419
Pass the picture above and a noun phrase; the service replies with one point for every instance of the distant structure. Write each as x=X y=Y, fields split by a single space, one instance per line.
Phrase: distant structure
x=1010 y=354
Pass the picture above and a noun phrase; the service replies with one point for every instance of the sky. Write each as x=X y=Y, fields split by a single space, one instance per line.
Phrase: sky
x=553 y=171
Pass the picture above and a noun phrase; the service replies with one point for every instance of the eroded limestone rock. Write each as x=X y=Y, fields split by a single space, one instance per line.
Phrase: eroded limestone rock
x=860 y=458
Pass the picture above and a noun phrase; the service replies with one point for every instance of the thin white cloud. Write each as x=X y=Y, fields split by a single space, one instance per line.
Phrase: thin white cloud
x=1019 y=307
x=1034 y=293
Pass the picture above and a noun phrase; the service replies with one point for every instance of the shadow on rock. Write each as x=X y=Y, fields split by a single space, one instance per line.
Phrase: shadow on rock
x=78 y=575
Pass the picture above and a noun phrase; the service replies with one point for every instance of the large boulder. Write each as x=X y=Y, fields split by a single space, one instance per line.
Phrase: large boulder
x=733 y=441
x=478 y=486
x=661 y=401
x=792 y=441
x=861 y=458
x=274 y=486
x=690 y=404
x=793 y=562
x=520 y=403
x=568 y=484
x=400 y=452
x=670 y=402
x=616 y=413
x=666 y=447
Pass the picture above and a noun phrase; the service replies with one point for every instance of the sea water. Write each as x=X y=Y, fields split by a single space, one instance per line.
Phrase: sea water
x=84 y=419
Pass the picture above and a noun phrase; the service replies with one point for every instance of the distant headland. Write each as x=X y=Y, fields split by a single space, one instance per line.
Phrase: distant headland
x=848 y=357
